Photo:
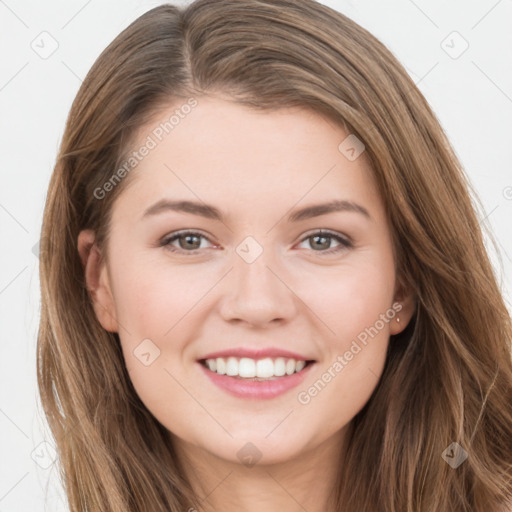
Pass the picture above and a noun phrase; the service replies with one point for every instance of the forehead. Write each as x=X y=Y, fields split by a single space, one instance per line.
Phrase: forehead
x=221 y=150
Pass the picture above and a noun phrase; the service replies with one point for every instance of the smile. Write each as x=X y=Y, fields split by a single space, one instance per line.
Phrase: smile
x=248 y=368
x=255 y=378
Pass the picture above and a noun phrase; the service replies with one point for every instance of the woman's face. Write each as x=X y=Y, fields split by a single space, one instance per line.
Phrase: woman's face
x=250 y=278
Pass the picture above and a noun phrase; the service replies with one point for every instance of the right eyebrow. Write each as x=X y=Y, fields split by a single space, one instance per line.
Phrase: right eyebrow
x=202 y=209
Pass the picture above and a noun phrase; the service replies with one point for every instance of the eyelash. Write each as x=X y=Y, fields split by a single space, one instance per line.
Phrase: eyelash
x=345 y=243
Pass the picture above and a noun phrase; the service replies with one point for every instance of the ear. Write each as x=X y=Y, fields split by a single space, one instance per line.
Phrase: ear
x=404 y=303
x=97 y=280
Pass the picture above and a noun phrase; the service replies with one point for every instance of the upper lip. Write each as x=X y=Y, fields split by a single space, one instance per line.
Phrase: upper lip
x=256 y=354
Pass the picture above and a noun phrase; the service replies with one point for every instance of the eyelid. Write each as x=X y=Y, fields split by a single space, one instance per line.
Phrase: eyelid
x=328 y=232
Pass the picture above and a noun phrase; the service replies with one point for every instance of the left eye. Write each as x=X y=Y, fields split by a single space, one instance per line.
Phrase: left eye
x=190 y=241
x=319 y=239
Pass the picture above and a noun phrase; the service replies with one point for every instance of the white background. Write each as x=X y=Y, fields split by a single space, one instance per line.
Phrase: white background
x=471 y=95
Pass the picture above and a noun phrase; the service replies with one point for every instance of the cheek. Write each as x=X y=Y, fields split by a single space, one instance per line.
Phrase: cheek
x=352 y=297
x=155 y=310
x=151 y=298
x=353 y=305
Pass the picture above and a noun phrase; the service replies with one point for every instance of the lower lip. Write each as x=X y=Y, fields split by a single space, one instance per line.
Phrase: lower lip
x=246 y=388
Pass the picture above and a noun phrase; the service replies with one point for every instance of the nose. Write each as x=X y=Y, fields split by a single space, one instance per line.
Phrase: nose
x=258 y=293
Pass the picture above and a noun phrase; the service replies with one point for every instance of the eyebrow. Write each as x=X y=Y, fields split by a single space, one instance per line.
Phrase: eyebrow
x=211 y=212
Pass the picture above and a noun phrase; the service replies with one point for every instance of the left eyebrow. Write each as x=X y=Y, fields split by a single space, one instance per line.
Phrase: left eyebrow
x=322 y=209
x=211 y=212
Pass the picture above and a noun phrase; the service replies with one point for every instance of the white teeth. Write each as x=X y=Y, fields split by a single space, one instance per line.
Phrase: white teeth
x=265 y=368
x=221 y=366
x=248 y=368
x=232 y=367
x=279 y=367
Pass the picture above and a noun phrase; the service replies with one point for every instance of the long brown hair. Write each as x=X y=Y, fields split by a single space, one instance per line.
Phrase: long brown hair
x=448 y=376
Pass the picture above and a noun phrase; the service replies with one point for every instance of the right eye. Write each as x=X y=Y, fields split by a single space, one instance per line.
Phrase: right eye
x=189 y=241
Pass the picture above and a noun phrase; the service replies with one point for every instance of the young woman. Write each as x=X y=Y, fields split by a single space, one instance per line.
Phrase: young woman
x=264 y=284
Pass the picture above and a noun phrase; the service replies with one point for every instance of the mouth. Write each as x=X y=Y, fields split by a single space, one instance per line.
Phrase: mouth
x=248 y=378
x=256 y=370
x=253 y=372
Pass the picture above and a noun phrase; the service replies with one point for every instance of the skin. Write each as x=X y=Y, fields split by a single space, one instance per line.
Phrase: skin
x=256 y=168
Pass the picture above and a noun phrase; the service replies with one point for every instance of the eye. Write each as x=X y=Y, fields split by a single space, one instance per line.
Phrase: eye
x=321 y=240
x=188 y=241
